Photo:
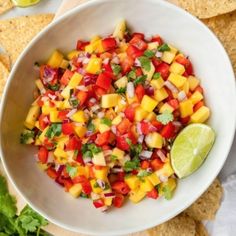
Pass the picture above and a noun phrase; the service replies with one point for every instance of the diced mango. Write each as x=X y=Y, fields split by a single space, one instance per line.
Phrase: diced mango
x=136 y=195
x=185 y=87
x=166 y=107
x=31 y=117
x=166 y=170
x=59 y=104
x=94 y=65
x=154 y=140
x=62 y=141
x=96 y=123
x=153 y=179
x=80 y=130
x=46 y=108
x=148 y=103
x=177 y=68
x=66 y=104
x=133 y=182
x=66 y=92
x=116 y=120
x=201 y=115
x=140 y=114
x=81 y=170
x=95 y=187
x=95 y=38
x=186 y=108
x=122 y=47
x=146 y=185
x=101 y=173
x=157 y=83
x=79 y=117
x=170 y=184
x=64 y=64
x=75 y=190
x=109 y=100
x=122 y=56
x=107 y=201
x=75 y=80
x=168 y=56
x=42 y=136
x=54 y=116
x=55 y=59
x=160 y=94
x=177 y=80
x=149 y=73
x=196 y=97
x=99 y=159
x=131 y=100
x=73 y=54
x=122 y=82
x=118 y=153
x=60 y=153
x=151 y=116
x=120 y=29
x=193 y=82
x=153 y=45
x=103 y=128
x=95 y=46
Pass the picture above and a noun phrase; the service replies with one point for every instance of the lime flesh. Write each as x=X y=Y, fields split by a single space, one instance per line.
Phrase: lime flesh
x=25 y=3
x=191 y=148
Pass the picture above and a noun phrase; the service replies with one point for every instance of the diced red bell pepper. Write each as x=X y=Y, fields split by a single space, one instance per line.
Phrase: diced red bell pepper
x=138 y=43
x=98 y=203
x=168 y=131
x=163 y=69
x=73 y=144
x=134 y=52
x=126 y=65
x=104 y=80
x=79 y=179
x=82 y=97
x=158 y=125
x=145 y=164
x=185 y=120
x=186 y=63
x=62 y=114
x=123 y=126
x=103 y=138
x=120 y=187
x=170 y=94
x=199 y=89
x=79 y=158
x=198 y=105
x=48 y=75
x=174 y=103
x=109 y=44
x=118 y=200
x=67 y=128
x=43 y=155
x=156 y=62
x=157 y=38
x=43 y=121
x=138 y=35
x=131 y=136
x=121 y=176
x=66 y=77
x=67 y=184
x=156 y=164
x=121 y=143
x=152 y=194
x=145 y=127
x=81 y=45
x=130 y=113
x=138 y=71
x=99 y=91
x=51 y=173
x=140 y=92
x=86 y=187
x=107 y=68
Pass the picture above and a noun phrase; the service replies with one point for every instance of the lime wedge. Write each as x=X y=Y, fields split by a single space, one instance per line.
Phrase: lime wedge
x=25 y=3
x=190 y=148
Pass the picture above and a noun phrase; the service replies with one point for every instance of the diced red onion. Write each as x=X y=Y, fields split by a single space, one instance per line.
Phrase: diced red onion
x=101 y=114
x=58 y=167
x=101 y=183
x=85 y=60
x=182 y=96
x=106 y=61
x=81 y=71
x=95 y=108
x=145 y=155
x=95 y=196
x=149 y=169
x=126 y=158
x=115 y=60
x=163 y=178
x=53 y=97
x=140 y=139
x=158 y=54
x=171 y=87
x=116 y=170
x=177 y=123
x=152 y=128
x=109 y=195
x=43 y=91
x=82 y=88
x=139 y=130
x=137 y=62
x=149 y=91
x=89 y=133
x=113 y=129
x=71 y=113
x=92 y=100
x=45 y=119
x=48 y=74
x=123 y=102
x=161 y=155
x=130 y=90
x=87 y=160
x=44 y=99
x=89 y=79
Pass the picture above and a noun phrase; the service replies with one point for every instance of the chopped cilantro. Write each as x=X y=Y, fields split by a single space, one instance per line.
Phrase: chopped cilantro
x=54 y=87
x=73 y=102
x=90 y=147
x=114 y=157
x=106 y=121
x=149 y=53
x=168 y=194
x=91 y=126
x=140 y=80
x=83 y=195
x=135 y=150
x=164 y=47
x=54 y=130
x=143 y=173
x=121 y=90
x=131 y=75
x=156 y=76
x=132 y=165
x=116 y=69
x=165 y=117
x=106 y=186
x=87 y=154
x=96 y=185
x=71 y=170
x=145 y=63
x=27 y=137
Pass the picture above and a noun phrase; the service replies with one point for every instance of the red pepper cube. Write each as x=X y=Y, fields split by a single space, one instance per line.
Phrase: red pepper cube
x=109 y=44
x=104 y=80
x=66 y=77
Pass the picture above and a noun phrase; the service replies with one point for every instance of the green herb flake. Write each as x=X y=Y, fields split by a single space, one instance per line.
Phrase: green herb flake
x=91 y=126
x=143 y=173
x=87 y=154
x=132 y=165
x=83 y=195
x=140 y=80
x=131 y=75
x=71 y=170
x=114 y=158
x=165 y=117
x=96 y=185
x=149 y=53
x=54 y=130
x=121 y=90
x=116 y=69
x=168 y=194
x=73 y=102
x=90 y=147
x=145 y=63
x=54 y=87
x=164 y=47
x=156 y=76
x=106 y=121
x=27 y=137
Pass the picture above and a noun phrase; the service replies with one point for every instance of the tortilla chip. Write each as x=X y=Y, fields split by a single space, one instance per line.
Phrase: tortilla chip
x=207 y=205
x=224 y=27
x=207 y=8
x=5 y=5
x=180 y=225
x=200 y=229
x=4 y=73
x=16 y=33
x=5 y=59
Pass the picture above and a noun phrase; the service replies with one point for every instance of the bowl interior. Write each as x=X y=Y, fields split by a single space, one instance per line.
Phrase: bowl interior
x=99 y=17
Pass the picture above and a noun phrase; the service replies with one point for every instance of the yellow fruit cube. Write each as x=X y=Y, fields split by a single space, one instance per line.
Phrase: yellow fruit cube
x=140 y=114
x=185 y=87
x=151 y=116
x=42 y=136
x=94 y=65
x=99 y=159
x=168 y=56
x=123 y=47
x=170 y=185
x=95 y=186
x=96 y=123
x=166 y=170
x=101 y=173
x=177 y=68
x=118 y=153
x=75 y=190
x=153 y=179
x=166 y=107
x=95 y=38
x=122 y=56
x=55 y=59
x=131 y=100
x=53 y=116
x=120 y=29
x=73 y=54
x=149 y=73
x=196 y=97
x=62 y=141
x=60 y=153
x=80 y=130
x=160 y=94
x=157 y=83
x=153 y=45
x=103 y=128
x=109 y=100
x=95 y=46
x=146 y=185
x=66 y=104
x=154 y=140
x=37 y=125
x=133 y=182
x=122 y=82
x=81 y=170
x=107 y=201
x=148 y=103
x=186 y=108
x=136 y=195
x=116 y=120
x=64 y=64
x=201 y=115
x=59 y=104
x=193 y=82
x=75 y=80
x=32 y=116
x=177 y=80
x=79 y=117
x=66 y=92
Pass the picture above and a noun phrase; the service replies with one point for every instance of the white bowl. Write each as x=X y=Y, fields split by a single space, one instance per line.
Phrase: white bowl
x=211 y=64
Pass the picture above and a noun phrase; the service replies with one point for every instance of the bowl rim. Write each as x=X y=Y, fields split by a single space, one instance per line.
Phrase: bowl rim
x=177 y=210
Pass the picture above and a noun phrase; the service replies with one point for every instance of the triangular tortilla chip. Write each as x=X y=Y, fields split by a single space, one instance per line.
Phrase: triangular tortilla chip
x=5 y=59
x=4 y=73
x=5 y=5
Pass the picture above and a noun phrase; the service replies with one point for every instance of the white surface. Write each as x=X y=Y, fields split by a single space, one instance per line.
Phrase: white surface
x=79 y=215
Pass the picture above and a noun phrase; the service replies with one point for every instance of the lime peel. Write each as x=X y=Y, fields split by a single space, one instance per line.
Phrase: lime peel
x=25 y=3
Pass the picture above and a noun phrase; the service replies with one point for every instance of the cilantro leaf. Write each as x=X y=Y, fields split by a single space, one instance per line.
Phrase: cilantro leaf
x=164 y=47
x=54 y=130
x=140 y=80
x=73 y=102
x=106 y=121
x=143 y=173
x=145 y=63
x=91 y=126
x=90 y=147
x=132 y=165
x=116 y=69
x=114 y=158
x=168 y=194
x=131 y=75
x=149 y=53
x=87 y=154
x=156 y=76
x=54 y=87
x=121 y=90
x=8 y=205
x=27 y=137
x=71 y=170
x=165 y=117
x=3 y=185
